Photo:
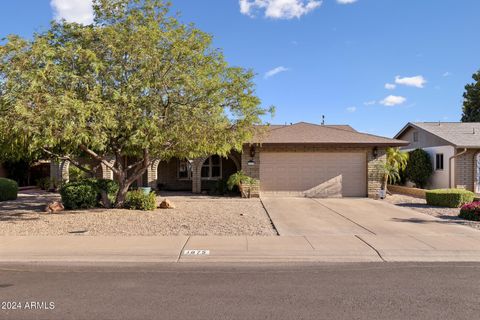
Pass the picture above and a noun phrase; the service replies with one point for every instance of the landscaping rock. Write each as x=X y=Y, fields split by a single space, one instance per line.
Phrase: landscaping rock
x=166 y=204
x=54 y=207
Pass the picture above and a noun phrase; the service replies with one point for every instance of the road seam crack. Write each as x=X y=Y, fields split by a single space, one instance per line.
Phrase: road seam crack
x=372 y=247
x=181 y=251
x=341 y=215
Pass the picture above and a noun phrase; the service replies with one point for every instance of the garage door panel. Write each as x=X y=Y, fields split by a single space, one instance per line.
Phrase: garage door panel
x=329 y=174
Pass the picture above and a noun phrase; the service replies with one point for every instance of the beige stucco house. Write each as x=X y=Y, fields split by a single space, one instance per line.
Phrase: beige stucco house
x=454 y=148
x=299 y=159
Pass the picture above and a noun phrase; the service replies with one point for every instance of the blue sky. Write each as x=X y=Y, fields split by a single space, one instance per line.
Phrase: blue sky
x=329 y=58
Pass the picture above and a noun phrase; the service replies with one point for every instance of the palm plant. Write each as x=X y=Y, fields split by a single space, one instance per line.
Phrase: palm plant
x=397 y=161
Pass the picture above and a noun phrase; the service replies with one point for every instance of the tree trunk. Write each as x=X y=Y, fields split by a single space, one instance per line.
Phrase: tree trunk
x=122 y=194
x=125 y=181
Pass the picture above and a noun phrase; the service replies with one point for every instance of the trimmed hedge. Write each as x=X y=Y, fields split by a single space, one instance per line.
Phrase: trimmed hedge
x=471 y=211
x=138 y=200
x=8 y=189
x=79 y=195
x=87 y=193
x=451 y=198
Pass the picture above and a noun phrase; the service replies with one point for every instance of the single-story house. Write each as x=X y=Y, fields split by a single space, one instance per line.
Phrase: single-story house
x=298 y=159
x=454 y=148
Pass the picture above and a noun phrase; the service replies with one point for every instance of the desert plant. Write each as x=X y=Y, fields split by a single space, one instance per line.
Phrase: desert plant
x=242 y=181
x=79 y=195
x=391 y=170
x=138 y=200
x=470 y=211
x=419 y=168
x=239 y=178
x=8 y=189
x=451 y=198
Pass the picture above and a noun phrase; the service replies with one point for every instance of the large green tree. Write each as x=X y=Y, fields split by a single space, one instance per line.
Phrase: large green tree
x=471 y=100
x=135 y=84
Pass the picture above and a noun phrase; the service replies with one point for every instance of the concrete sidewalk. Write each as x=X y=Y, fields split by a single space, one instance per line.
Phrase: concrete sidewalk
x=325 y=248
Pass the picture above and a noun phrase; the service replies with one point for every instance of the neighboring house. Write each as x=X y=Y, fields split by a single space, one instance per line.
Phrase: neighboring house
x=297 y=159
x=454 y=149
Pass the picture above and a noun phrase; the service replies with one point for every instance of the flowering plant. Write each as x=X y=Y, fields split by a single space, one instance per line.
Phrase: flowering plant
x=471 y=211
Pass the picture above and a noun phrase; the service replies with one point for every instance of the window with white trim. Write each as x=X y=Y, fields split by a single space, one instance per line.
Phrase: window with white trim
x=439 y=161
x=212 y=168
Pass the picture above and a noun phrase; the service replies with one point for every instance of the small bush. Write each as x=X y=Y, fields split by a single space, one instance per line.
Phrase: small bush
x=79 y=195
x=8 y=189
x=451 y=198
x=419 y=168
x=471 y=211
x=138 y=200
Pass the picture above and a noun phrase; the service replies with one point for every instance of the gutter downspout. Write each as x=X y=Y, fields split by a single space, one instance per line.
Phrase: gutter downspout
x=451 y=166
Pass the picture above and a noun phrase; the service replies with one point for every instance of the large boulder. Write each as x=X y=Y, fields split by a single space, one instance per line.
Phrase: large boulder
x=166 y=204
x=54 y=207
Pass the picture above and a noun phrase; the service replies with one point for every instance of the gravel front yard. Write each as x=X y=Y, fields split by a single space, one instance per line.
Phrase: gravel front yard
x=194 y=215
x=420 y=205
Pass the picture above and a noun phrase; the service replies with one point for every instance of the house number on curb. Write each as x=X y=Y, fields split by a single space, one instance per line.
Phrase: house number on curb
x=196 y=252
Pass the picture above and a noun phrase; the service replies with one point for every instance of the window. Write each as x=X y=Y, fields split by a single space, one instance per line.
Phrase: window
x=439 y=161
x=184 y=170
x=415 y=136
x=212 y=168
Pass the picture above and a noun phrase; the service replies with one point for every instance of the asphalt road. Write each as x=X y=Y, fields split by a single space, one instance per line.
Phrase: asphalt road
x=299 y=291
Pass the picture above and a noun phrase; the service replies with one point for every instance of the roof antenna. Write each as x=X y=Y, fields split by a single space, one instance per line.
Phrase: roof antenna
x=323 y=120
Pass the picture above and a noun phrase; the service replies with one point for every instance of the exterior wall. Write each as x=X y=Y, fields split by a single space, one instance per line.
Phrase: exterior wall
x=466 y=170
x=164 y=174
x=425 y=139
x=373 y=170
x=440 y=178
x=168 y=179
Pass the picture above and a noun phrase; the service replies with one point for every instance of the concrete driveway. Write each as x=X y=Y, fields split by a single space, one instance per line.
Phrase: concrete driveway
x=308 y=217
x=394 y=233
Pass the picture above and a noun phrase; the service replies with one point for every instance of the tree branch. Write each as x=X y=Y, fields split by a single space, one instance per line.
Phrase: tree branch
x=75 y=163
x=98 y=158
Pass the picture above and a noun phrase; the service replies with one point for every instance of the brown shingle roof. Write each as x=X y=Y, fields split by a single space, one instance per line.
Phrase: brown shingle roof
x=308 y=133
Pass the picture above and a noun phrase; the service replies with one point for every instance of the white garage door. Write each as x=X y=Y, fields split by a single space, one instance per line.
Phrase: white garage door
x=319 y=174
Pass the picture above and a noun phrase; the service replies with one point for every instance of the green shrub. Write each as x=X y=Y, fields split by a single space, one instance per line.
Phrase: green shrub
x=239 y=178
x=8 y=189
x=451 y=198
x=79 y=195
x=419 y=168
x=43 y=183
x=138 y=200
x=471 y=211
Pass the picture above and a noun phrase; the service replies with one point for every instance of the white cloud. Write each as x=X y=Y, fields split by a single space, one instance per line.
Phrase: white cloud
x=447 y=74
x=275 y=71
x=79 y=11
x=390 y=86
x=279 y=9
x=346 y=1
x=370 y=103
x=351 y=109
x=391 y=101
x=417 y=81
